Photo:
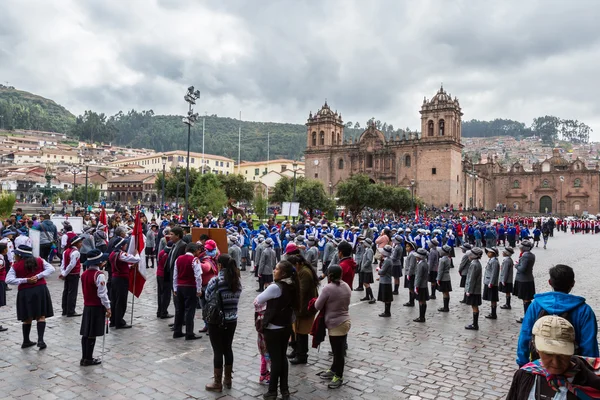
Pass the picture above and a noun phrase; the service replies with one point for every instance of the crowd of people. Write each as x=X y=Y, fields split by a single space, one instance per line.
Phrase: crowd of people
x=305 y=275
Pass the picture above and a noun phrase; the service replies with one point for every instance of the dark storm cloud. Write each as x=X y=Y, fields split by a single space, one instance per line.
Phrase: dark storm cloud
x=278 y=60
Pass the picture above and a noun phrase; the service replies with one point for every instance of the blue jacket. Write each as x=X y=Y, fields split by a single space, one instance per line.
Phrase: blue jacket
x=581 y=316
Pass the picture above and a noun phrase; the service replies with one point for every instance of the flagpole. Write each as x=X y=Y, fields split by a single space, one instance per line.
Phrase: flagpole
x=133 y=301
x=104 y=338
x=240 y=143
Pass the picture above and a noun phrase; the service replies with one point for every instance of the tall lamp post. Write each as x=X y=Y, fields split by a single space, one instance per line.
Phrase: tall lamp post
x=163 y=159
x=562 y=179
x=412 y=194
x=178 y=169
x=190 y=97
x=295 y=167
x=330 y=189
x=74 y=171
x=86 y=184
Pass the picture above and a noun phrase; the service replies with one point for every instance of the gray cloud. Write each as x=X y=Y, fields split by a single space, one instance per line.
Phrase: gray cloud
x=279 y=60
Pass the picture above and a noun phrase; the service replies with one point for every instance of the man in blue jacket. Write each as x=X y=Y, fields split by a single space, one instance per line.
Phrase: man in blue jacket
x=561 y=303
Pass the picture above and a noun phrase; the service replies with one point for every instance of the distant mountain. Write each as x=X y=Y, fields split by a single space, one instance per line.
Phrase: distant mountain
x=24 y=110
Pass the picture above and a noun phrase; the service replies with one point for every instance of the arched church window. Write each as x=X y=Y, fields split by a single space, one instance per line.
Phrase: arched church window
x=314 y=138
x=430 y=128
x=338 y=138
x=407 y=160
x=441 y=127
x=341 y=163
x=577 y=182
x=516 y=184
x=369 y=160
x=332 y=137
x=322 y=138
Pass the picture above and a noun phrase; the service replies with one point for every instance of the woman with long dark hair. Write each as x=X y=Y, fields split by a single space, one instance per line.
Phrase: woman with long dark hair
x=227 y=284
x=308 y=281
x=282 y=301
x=33 y=298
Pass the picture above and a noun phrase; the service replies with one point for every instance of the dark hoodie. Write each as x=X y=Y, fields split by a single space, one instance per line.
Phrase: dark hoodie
x=579 y=314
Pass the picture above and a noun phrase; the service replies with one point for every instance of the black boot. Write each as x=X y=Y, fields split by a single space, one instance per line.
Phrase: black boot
x=525 y=307
x=387 y=313
x=432 y=297
x=41 y=327
x=446 y=305
x=475 y=325
x=372 y=301
x=411 y=299
x=396 y=286
x=493 y=314
x=301 y=350
x=464 y=300
x=422 y=310
x=367 y=297
x=83 y=349
x=26 y=341
x=507 y=305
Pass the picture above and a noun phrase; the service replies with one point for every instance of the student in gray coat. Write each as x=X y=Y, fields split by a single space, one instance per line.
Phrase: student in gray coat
x=433 y=260
x=410 y=270
x=358 y=255
x=473 y=286
x=88 y=244
x=329 y=252
x=490 y=280
x=234 y=249
x=312 y=253
x=366 y=266
x=397 y=260
x=258 y=252
x=506 y=276
x=385 y=280
x=524 y=285
x=421 y=278
x=443 y=277
x=463 y=268
x=266 y=265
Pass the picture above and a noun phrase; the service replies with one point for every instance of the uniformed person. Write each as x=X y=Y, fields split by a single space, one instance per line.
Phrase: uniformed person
x=443 y=277
x=490 y=280
x=234 y=249
x=397 y=261
x=473 y=286
x=433 y=260
x=120 y=262
x=421 y=279
x=96 y=305
x=524 y=287
x=463 y=268
x=358 y=255
x=410 y=270
x=506 y=276
x=366 y=266
x=70 y=270
x=312 y=253
x=385 y=280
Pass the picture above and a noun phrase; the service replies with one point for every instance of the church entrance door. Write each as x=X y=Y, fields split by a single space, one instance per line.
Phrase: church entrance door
x=545 y=204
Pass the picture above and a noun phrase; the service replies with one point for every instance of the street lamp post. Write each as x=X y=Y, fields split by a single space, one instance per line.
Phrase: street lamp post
x=412 y=194
x=295 y=167
x=178 y=169
x=163 y=159
x=86 y=186
x=330 y=189
x=74 y=171
x=562 y=179
x=190 y=97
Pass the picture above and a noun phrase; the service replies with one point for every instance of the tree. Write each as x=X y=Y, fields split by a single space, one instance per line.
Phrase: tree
x=349 y=124
x=395 y=198
x=283 y=190
x=237 y=189
x=357 y=125
x=78 y=194
x=260 y=206
x=92 y=125
x=172 y=179
x=356 y=193
x=208 y=195
x=546 y=128
x=311 y=196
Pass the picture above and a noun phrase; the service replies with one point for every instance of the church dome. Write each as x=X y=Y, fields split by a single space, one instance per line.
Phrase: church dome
x=441 y=96
x=556 y=160
x=325 y=111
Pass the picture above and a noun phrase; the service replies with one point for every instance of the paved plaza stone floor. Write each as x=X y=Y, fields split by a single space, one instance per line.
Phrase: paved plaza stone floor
x=391 y=358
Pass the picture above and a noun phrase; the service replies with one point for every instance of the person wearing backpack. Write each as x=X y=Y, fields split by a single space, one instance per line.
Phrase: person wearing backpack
x=560 y=302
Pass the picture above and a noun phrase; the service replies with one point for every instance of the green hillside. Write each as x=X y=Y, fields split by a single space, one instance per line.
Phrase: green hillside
x=24 y=110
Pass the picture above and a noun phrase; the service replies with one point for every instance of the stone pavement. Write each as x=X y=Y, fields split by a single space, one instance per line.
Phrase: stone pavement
x=387 y=358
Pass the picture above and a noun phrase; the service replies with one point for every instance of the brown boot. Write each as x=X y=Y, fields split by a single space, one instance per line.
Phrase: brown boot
x=227 y=377
x=216 y=385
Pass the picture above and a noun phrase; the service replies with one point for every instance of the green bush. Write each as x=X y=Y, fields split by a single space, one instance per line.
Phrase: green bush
x=7 y=202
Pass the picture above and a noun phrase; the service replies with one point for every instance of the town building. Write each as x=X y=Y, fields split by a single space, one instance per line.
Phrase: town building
x=430 y=163
x=152 y=163
x=133 y=188
x=269 y=172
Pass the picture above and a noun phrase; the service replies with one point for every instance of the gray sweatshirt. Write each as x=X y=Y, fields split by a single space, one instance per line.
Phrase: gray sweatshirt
x=506 y=270
x=268 y=261
x=473 y=284
x=443 y=274
x=492 y=271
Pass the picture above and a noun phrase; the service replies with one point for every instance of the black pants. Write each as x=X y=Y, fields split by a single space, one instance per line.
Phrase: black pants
x=166 y=291
x=83 y=259
x=69 y=296
x=221 y=340
x=277 y=341
x=338 y=347
x=160 y=282
x=45 y=250
x=186 y=309
x=120 y=291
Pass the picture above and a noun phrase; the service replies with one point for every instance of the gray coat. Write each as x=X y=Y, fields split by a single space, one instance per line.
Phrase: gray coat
x=443 y=274
x=385 y=272
x=433 y=259
x=397 y=255
x=525 y=267
x=100 y=239
x=312 y=257
x=335 y=260
x=463 y=268
x=492 y=271
x=87 y=243
x=473 y=284
x=236 y=253
x=360 y=251
x=422 y=275
x=268 y=261
x=506 y=270
x=258 y=252
x=410 y=266
x=329 y=252
x=367 y=261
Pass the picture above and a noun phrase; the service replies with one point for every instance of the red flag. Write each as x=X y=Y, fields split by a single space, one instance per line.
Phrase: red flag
x=417 y=213
x=137 y=273
x=104 y=220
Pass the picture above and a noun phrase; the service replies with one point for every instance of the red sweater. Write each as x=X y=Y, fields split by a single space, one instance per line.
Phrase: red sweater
x=348 y=268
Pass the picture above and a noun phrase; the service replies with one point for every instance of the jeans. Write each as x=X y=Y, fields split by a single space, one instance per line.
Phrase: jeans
x=69 y=296
x=277 y=341
x=338 y=347
x=221 y=340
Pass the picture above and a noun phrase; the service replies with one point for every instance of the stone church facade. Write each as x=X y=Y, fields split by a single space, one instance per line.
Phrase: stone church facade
x=431 y=165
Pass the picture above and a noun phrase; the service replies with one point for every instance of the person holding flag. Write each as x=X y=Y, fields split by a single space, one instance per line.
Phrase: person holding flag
x=121 y=262
x=96 y=306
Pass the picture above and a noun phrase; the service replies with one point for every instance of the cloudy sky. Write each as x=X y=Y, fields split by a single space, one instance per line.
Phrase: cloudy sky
x=276 y=60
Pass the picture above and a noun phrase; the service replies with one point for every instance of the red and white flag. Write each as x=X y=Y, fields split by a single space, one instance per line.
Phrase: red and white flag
x=417 y=213
x=137 y=273
x=103 y=218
